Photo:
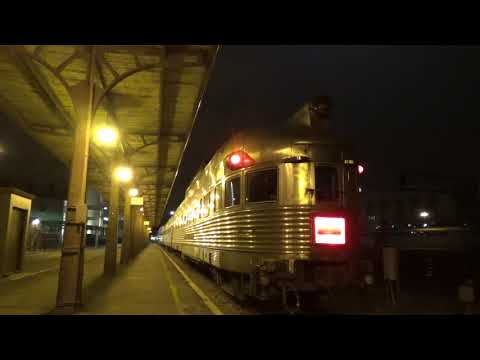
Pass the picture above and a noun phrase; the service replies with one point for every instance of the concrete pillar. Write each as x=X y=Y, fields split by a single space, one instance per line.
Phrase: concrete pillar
x=127 y=231
x=133 y=230
x=112 y=230
x=137 y=229
x=69 y=294
x=138 y=219
x=96 y=238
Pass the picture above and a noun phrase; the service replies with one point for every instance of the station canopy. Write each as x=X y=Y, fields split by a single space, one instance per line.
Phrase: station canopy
x=152 y=96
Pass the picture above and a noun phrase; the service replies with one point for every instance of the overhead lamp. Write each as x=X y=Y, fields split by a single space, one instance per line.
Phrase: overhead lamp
x=133 y=192
x=106 y=135
x=123 y=173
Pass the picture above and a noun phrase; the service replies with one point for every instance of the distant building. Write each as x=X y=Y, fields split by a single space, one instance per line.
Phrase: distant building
x=97 y=219
x=420 y=201
x=49 y=215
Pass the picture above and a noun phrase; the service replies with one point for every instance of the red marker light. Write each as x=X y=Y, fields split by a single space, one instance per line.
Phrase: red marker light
x=239 y=159
x=235 y=159
x=329 y=230
x=361 y=169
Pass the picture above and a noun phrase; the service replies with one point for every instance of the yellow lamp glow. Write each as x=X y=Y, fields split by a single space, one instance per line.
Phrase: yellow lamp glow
x=133 y=192
x=146 y=223
x=123 y=173
x=106 y=135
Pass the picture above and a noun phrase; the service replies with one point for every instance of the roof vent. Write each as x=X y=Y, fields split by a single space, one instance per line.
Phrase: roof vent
x=313 y=114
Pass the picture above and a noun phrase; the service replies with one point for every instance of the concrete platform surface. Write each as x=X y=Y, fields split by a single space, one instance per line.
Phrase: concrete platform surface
x=151 y=284
x=33 y=291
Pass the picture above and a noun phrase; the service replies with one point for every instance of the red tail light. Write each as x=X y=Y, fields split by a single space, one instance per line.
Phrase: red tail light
x=329 y=230
x=239 y=159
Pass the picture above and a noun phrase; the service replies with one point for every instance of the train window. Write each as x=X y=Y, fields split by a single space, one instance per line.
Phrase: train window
x=326 y=183
x=206 y=205
x=262 y=186
x=216 y=203
x=232 y=192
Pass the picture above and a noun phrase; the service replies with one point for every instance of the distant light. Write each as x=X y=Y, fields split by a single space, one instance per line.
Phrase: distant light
x=36 y=222
x=107 y=135
x=425 y=225
x=105 y=218
x=360 y=189
x=409 y=225
x=123 y=173
x=133 y=192
x=141 y=209
x=360 y=169
x=105 y=208
x=172 y=212
x=424 y=214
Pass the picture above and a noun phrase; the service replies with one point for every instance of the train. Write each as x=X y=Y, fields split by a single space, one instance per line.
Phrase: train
x=274 y=213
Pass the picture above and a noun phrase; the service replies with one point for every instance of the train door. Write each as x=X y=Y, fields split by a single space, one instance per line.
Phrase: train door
x=15 y=237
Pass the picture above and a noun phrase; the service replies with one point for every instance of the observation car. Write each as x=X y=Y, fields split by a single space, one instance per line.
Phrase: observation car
x=274 y=212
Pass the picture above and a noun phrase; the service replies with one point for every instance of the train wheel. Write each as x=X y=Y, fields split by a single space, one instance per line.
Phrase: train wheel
x=237 y=288
x=216 y=276
x=290 y=299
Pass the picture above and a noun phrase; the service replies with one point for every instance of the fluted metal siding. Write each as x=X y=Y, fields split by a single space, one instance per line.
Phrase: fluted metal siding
x=266 y=228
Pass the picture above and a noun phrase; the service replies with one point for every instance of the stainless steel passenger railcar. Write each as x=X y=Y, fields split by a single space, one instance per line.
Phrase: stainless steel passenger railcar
x=274 y=211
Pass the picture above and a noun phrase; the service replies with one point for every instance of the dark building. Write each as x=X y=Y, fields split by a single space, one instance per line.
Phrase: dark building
x=421 y=201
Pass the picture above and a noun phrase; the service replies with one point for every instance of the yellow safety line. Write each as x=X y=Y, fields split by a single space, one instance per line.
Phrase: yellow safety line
x=211 y=306
x=172 y=287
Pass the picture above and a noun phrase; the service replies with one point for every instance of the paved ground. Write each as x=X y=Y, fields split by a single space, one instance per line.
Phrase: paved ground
x=34 y=290
x=149 y=285
x=157 y=282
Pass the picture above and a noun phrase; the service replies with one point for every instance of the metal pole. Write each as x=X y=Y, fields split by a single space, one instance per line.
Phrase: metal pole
x=69 y=294
x=112 y=230
x=137 y=235
x=133 y=232
x=127 y=232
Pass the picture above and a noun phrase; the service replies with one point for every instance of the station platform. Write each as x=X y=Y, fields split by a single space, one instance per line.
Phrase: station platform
x=149 y=285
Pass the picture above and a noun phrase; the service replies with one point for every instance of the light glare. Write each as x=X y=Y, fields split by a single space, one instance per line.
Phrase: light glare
x=107 y=135
x=235 y=159
x=133 y=192
x=123 y=174
x=329 y=230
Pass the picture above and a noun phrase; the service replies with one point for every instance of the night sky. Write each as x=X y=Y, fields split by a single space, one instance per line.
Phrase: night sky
x=407 y=109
